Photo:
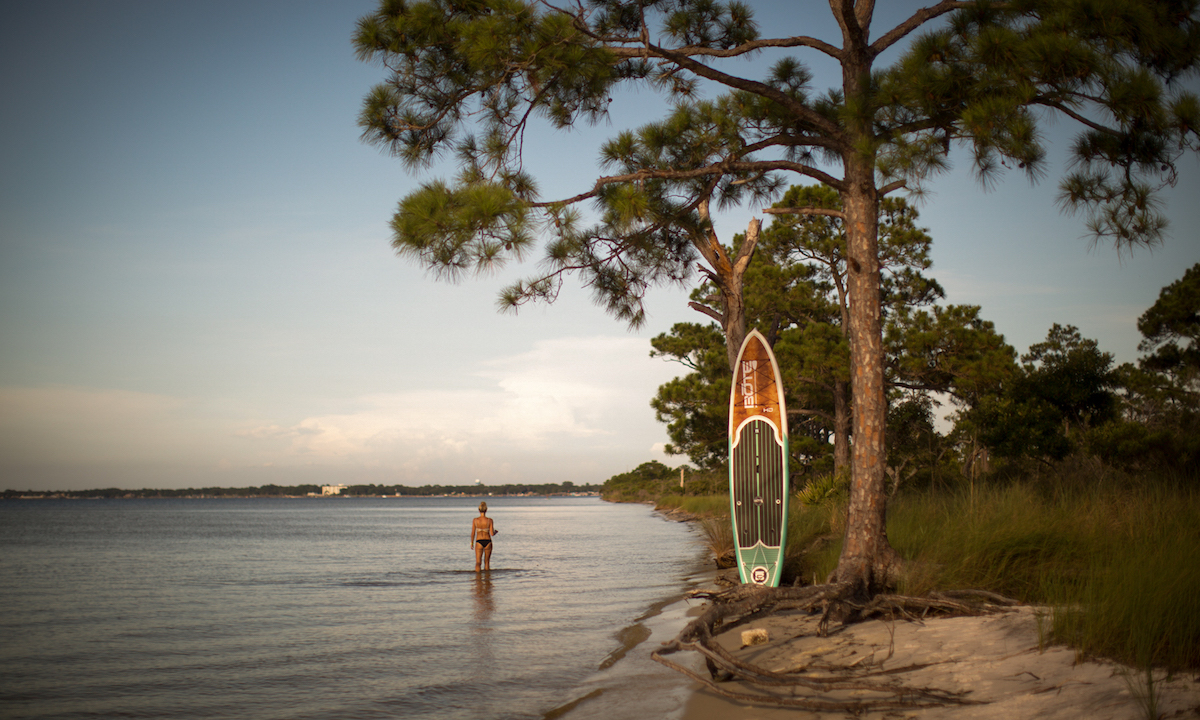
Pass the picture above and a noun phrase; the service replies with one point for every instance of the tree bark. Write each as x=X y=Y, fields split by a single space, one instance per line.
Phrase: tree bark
x=734 y=322
x=735 y=319
x=867 y=558
x=868 y=561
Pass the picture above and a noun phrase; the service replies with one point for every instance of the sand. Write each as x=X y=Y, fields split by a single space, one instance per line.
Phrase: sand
x=995 y=660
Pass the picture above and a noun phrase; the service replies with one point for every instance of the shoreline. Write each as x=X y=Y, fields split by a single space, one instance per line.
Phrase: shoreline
x=132 y=495
x=1004 y=664
x=628 y=682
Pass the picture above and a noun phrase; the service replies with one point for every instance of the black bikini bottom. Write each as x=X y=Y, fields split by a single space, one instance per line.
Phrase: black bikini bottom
x=484 y=542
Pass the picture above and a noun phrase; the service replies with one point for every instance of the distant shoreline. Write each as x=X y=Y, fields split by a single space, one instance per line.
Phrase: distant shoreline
x=233 y=495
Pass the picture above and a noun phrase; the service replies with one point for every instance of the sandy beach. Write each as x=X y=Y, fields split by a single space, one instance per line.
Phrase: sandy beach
x=1005 y=666
x=995 y=661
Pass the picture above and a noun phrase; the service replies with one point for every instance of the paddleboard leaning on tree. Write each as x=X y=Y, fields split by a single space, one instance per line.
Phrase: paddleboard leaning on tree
x=758 y=462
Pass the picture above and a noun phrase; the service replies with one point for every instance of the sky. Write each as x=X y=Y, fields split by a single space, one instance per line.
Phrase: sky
x=197 y=286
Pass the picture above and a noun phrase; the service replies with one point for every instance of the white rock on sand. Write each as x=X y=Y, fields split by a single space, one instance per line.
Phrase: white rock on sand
x=995 y=660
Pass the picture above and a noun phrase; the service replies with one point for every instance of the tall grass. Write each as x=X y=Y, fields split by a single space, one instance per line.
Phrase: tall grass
x=702 y=505
x=810 y=551
x=1008 y=540
x=1119 y=565
x=713 y=514
x=718 y=540
x=814 y=540
x=1138 y=598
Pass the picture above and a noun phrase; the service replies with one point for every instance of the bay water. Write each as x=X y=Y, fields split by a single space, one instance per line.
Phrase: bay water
x=336 y=608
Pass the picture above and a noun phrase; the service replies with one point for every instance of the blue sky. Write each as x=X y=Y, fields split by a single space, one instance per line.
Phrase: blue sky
x=197 y=287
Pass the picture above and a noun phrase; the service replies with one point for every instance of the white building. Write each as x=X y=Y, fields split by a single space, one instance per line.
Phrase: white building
x=332 y=489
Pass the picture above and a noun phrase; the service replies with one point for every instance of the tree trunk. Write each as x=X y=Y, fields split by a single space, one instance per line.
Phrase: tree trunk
x=728 y=276
x=868 y=562
x=841 y=428
x=867 y=559
x=734 y=320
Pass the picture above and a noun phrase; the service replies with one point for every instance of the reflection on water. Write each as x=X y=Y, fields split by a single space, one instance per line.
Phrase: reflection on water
x=483 y=599
x=482 y=631
x=348 y=608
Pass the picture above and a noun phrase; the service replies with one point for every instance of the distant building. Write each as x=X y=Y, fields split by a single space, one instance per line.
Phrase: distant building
x=332 y=489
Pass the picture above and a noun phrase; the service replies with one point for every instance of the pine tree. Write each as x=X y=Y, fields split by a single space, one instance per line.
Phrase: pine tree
x=468 y=78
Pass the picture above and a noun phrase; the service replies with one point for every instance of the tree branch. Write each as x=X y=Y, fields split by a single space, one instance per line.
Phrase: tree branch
x=806 y=115
x=747 y=47
x=696 y=50
x=1076 y=116
x=715 y=169
x=806 y=211
x=918 y=19
x=702 y=308
x=811 y=413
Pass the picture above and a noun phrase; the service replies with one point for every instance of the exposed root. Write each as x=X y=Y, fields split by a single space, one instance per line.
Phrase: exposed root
x=809 y=687
x=947 y=603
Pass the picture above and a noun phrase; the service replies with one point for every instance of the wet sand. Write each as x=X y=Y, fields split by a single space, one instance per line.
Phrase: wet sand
x=629 y=683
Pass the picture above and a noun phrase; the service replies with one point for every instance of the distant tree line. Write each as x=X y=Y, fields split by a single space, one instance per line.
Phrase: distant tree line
x=509 y=489
x=306 y=490
x=115 y=493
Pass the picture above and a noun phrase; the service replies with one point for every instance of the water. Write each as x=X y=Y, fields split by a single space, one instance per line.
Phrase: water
x=323 y=608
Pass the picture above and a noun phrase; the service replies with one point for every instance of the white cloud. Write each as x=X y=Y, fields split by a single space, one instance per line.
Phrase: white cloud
x=584 y=391
x=567 y=409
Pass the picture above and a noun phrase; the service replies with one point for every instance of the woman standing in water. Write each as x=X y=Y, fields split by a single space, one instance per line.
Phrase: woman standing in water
x=482 y=530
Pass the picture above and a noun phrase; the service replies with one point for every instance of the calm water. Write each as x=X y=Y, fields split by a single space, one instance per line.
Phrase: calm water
x=334 y=608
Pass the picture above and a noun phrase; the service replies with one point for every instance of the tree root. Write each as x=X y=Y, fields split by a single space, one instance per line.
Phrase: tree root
x=808 y=687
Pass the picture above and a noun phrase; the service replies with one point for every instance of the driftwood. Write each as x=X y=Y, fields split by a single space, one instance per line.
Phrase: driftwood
x=809 y=687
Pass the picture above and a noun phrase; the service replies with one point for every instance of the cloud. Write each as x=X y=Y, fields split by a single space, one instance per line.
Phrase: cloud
x=576 y=391
x=567 y=409
x=976 y=289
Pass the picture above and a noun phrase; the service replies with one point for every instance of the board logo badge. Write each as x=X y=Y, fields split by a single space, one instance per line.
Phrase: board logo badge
x=749 y=391
x=759 y=575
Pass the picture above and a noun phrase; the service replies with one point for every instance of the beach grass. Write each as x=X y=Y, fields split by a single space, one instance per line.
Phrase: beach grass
x=1009 y=540
x=701 y=505
x=1118 y=564
x=813 y=541
x=1137 y=596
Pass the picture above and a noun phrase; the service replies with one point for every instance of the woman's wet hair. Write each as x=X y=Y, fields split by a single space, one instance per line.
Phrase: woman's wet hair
x=482 y=507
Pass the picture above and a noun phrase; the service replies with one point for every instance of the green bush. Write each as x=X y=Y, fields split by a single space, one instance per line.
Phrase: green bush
x=645 y=483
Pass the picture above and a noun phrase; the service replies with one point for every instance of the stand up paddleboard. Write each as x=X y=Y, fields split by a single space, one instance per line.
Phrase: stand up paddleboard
x=758 y=460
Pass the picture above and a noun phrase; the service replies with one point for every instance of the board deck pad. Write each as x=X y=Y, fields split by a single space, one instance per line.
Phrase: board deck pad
x=758 y=459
